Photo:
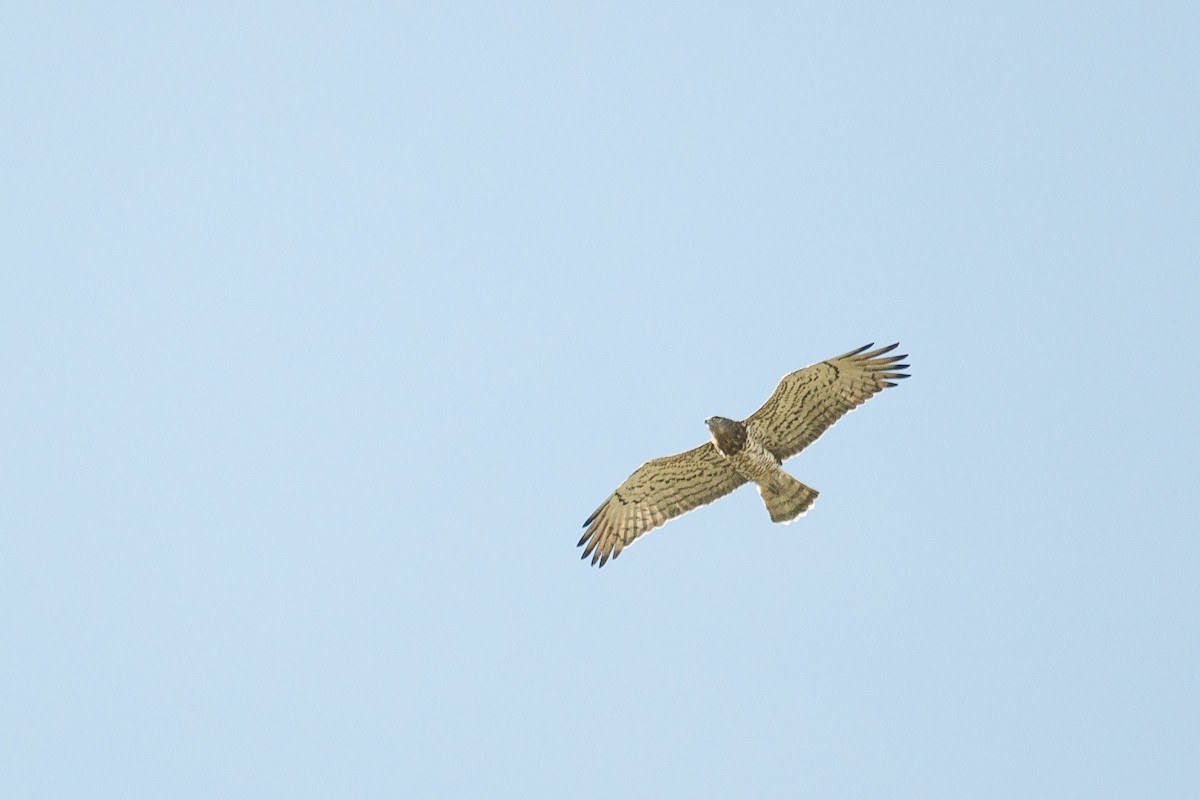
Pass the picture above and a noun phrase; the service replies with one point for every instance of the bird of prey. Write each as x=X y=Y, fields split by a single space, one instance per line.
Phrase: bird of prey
x=803 y=406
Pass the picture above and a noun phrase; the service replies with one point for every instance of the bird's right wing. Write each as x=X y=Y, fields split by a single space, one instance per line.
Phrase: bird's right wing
x=656 y=492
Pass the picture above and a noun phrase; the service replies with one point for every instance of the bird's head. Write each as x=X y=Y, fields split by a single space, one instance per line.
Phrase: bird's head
x=727 y=435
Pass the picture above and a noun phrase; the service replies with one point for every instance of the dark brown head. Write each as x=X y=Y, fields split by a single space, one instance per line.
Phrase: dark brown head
x=727 y=435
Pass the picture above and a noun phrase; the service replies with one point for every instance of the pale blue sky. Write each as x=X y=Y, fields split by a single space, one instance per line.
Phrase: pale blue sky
x=324 y=327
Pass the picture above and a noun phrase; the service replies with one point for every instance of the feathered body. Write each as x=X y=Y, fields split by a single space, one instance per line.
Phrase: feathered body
x=785 y=497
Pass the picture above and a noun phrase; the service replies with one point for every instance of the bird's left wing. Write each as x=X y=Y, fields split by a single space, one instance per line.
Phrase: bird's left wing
x=809 y=400
x=656 y=492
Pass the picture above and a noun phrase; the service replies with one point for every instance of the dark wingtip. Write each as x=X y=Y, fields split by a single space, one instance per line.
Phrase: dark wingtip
x=591 y=547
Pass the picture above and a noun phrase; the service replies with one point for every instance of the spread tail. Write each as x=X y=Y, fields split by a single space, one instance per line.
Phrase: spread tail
x=786 y=498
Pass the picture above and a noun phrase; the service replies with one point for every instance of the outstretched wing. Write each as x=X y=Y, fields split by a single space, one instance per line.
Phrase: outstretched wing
x=656 y=492
x=809 y=400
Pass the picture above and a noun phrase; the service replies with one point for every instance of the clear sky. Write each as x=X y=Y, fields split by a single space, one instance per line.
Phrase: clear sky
x=324 y=327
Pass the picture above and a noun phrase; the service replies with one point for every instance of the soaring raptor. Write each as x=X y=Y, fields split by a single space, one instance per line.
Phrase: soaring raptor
x=805 y=403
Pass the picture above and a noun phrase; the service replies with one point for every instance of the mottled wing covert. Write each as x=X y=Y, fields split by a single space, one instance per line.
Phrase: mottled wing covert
x=657 y=491
x=808 y=401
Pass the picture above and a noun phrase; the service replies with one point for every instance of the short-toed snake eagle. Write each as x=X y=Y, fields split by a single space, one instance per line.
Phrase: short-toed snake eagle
x=803 y=406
